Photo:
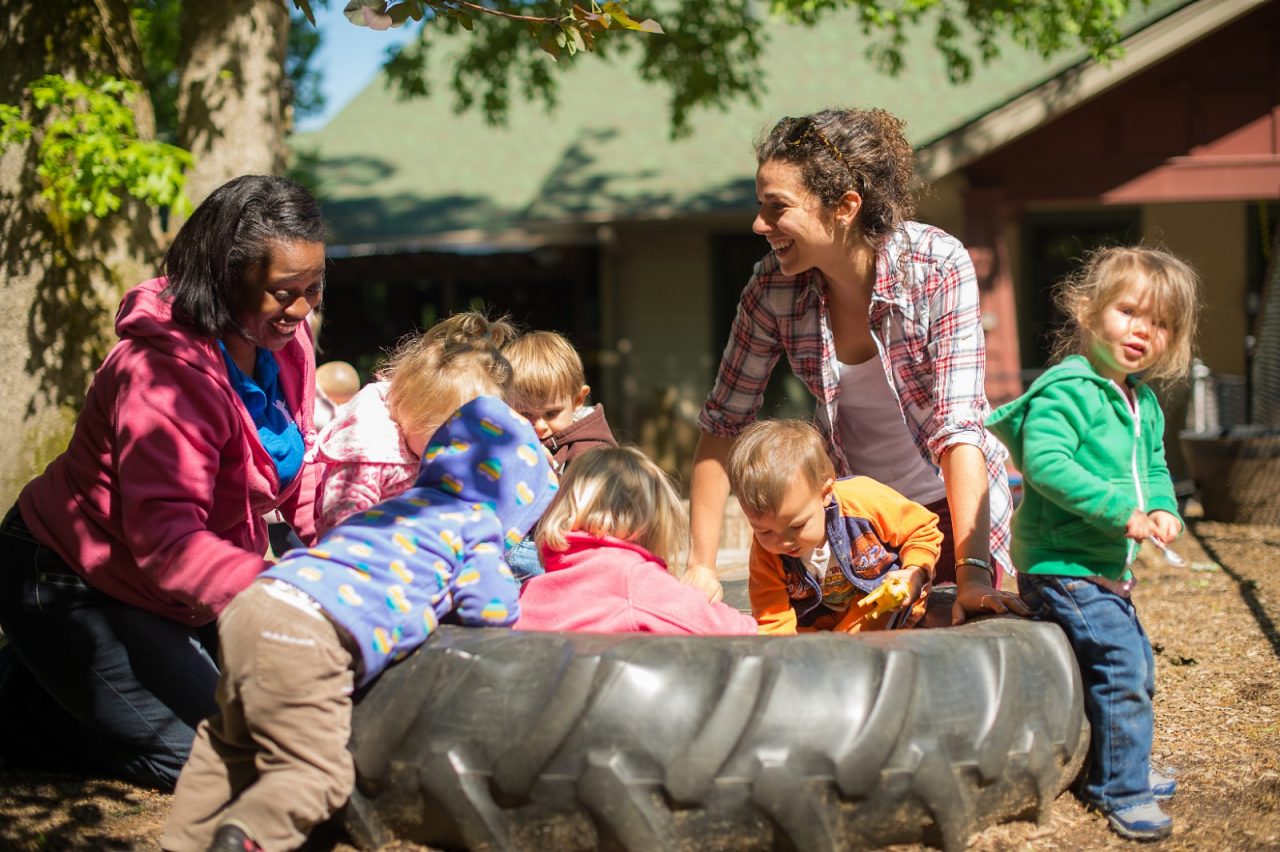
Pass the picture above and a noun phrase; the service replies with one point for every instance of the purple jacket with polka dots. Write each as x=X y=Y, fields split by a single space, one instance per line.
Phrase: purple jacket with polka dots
x=388 y=575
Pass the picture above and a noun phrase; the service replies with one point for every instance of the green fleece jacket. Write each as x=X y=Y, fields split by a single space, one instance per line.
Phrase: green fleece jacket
x=1086 y=465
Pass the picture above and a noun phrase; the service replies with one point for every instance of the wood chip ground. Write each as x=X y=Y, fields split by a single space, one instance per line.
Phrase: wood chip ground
x=1214 y=627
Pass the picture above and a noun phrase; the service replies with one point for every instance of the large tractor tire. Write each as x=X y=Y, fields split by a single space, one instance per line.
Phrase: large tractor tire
x=494 y=740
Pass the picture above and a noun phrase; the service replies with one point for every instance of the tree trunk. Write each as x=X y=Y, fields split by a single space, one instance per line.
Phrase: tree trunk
x=59 y=291
x=231 y=96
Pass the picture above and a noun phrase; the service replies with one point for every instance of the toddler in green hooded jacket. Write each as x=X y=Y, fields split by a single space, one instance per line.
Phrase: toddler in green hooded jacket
x=1088 y=437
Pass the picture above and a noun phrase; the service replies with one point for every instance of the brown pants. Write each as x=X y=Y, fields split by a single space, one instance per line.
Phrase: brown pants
x=274 y=758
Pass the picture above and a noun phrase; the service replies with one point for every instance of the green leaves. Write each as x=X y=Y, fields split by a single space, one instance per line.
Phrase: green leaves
x=89 y=151
x=556 y=27
x=1046 y=27
x=708 y=53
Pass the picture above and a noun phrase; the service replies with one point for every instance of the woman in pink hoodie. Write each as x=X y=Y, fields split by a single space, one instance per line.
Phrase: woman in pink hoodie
x=611 y=542
x=119 y=557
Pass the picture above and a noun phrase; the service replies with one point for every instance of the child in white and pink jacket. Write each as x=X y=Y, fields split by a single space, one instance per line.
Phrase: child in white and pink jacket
x=372 y=449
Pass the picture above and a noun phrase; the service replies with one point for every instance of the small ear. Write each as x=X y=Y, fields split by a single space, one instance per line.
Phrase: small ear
x=848 y=208
x=581 y=399
x=828 y=488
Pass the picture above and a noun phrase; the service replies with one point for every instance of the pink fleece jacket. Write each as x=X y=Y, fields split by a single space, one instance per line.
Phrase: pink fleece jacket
x=158 y=500
x=602 y=584
x=361 y=458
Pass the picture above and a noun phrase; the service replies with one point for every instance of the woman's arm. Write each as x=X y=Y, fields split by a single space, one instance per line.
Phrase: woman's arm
x=172 y=449
x=708 y=492
x=956 y=436
x=964 y=470
x=753 y=349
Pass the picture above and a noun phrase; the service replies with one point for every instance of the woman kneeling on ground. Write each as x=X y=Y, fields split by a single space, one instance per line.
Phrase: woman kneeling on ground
x=116 y=561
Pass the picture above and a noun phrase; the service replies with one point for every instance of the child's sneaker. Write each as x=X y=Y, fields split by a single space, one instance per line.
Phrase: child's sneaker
x=231 y=837
x=1162 y=786
x=1141 y=822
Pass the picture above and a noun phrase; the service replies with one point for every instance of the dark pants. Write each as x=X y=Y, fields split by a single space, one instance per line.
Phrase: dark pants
x=945 y=572
x=98 y=687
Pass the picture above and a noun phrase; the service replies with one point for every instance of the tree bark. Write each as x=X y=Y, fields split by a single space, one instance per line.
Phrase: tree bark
x=59 y=291
x=231 y=95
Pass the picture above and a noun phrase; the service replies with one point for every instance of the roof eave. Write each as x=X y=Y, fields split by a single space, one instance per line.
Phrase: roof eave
x=1075 y=86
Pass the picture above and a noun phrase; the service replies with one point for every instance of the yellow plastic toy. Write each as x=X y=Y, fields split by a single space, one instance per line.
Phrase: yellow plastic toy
x=887 y=597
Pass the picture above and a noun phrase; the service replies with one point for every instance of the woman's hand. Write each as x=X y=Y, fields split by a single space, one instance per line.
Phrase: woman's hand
x=704 y=579
x=975 y=595
x=708 y=492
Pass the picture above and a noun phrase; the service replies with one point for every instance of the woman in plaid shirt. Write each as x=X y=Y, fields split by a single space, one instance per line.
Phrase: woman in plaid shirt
x=878 y=316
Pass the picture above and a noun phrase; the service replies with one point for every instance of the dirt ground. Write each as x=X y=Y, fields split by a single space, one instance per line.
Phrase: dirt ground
x=1213 y=626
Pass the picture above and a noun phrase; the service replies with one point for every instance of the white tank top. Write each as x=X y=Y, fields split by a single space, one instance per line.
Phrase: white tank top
x=875 y=436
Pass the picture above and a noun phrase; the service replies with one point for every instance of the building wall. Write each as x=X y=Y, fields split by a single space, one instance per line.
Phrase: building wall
x=657 y=278
x=942 y=203
x=1211 y=237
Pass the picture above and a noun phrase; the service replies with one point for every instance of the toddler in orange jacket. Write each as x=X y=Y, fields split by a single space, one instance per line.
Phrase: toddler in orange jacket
x=822 y=546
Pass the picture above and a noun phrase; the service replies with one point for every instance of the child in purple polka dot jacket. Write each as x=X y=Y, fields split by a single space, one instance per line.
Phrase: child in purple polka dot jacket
x=273 y=762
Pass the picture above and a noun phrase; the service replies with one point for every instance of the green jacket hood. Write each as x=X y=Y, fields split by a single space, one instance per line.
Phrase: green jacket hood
x=1009 y=420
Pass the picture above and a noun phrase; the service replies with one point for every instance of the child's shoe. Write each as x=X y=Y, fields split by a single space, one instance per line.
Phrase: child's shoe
x=1141 y=822
x=1162 y=786
x=231 y=837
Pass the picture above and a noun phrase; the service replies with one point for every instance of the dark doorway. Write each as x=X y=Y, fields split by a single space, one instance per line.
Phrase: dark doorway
x=733 y=257
x=372 y=301
x=1054 y=245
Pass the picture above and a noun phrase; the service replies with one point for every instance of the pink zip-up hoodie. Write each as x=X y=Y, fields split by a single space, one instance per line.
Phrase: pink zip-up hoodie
x=158 y=499
x=602 y=584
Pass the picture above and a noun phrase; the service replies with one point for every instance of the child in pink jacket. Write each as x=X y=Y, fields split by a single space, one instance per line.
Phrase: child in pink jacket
x=371 y=450
x=610 y=542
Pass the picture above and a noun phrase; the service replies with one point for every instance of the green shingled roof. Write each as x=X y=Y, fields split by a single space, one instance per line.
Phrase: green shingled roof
x=605 y=153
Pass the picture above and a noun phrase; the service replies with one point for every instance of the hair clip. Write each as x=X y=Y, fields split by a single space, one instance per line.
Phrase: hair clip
x=806 y=128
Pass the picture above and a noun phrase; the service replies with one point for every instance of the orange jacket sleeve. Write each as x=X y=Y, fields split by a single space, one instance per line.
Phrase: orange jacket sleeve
x=767 y=585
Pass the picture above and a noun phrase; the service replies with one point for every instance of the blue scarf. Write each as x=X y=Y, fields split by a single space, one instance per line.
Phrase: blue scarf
x=265 y=403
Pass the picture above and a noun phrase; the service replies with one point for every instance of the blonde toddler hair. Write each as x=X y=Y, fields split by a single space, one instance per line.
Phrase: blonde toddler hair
x=618 y=491
x=1108 y=274
x=545 y=367
x=767 y=457
x=432 y=374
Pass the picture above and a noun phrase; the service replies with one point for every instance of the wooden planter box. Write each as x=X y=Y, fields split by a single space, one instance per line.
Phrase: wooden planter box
x=1236 y=474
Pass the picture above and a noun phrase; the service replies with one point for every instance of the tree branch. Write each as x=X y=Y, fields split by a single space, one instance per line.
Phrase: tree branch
x=535 y=19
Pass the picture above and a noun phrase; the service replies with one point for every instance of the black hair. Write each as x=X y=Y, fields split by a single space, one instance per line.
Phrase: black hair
x=229 y=233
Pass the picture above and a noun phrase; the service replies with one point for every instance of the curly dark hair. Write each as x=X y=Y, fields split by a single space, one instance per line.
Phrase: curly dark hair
x=842 y=149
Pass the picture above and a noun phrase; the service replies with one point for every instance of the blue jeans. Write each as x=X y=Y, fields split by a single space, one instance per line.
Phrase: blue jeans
x=523 y=561
x=1119 y=678
x=98 y=687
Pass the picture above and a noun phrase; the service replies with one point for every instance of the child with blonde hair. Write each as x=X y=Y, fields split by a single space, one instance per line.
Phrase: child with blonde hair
x=371 y=451
x=612 y=543
x=822 y=546
x=549 y=386
x=1088 y=436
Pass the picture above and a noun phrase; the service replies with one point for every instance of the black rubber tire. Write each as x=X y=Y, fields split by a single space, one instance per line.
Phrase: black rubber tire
x=489 y=739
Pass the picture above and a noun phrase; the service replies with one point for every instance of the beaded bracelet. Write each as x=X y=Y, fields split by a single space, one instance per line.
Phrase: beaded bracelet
x=976 y=563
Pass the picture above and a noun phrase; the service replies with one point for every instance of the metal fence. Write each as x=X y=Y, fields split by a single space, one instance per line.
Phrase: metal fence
x=1232 y=445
